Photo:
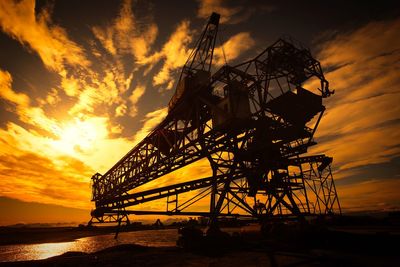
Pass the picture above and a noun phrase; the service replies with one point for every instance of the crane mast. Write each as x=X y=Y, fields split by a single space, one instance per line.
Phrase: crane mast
x=253 y=122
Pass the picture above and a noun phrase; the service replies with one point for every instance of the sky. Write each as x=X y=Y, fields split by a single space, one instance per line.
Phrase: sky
x=81 y=82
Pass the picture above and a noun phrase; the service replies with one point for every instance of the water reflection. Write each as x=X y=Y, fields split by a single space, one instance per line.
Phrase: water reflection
x=155 y=238
x=33 y=252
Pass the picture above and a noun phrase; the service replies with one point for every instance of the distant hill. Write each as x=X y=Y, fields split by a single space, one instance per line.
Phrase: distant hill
x=373 y=213
x=19 y=213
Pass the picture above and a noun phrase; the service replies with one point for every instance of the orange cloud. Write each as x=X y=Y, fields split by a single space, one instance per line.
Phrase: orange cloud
x=28 y=173
x=352 y=47
x=233 y=48
x=42 y=167
x=70 y=85
x=51 y=42
x=123 y=36
x=376 y=194
x=38 y=168
x=175 y=52
x=137 y=93
x=21 y=104
x=93 y=90
x=100 y=85
x=120 y=110
x=151 y=120
x=206 y=7
x=231 y=14
x=360 y=148
x=361 y=126
x=8 y=94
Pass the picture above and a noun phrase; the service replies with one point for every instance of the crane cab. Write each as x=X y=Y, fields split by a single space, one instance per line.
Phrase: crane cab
x=187 y=85
x=233 y=108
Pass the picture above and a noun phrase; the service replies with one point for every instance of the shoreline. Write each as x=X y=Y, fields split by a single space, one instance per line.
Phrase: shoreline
x=39 y=235
x=255 y=255
x=30 y=236
x=281 y=245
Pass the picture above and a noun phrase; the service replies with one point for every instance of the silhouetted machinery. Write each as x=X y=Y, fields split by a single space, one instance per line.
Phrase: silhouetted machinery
x=253 y=122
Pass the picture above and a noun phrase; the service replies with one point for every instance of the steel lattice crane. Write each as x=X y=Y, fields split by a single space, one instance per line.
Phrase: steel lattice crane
x=253 y=122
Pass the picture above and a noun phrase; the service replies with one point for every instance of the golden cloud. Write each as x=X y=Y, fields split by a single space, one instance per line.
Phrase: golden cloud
x=137 y=93
x=28 y=173
x=70 y=85
x=175 y=52
x=206 y=7
x=124 y=37
x=91 y=91
x=21 y=103
x=121 y=110
x=39 y=168
x=363 y=147
x=376 y=194
x=47 y=166
x=231 y=14
x=8 y=94
x=352 y=47
x=51 y=42
x=233 y=48
x=361 y=123
x=151 y=120
x=56 y=50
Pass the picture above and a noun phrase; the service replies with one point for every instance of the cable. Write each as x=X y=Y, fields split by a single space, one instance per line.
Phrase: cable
x=222 y=46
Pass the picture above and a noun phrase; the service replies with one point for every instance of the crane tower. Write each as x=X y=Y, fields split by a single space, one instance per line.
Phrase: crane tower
x=253 y=122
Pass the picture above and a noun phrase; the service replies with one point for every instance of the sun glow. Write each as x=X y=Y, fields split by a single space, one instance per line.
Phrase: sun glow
x=79 y=136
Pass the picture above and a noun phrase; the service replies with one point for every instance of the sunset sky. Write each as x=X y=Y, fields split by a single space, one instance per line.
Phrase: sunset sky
x=81 y=82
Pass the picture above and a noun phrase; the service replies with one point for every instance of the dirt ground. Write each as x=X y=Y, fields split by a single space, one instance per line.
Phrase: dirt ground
x=134 y=255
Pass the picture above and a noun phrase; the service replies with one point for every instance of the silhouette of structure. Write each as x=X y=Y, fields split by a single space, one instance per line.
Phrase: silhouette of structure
x=253 y=122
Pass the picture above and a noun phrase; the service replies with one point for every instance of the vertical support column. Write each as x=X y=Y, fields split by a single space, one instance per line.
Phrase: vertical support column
x=220 y=166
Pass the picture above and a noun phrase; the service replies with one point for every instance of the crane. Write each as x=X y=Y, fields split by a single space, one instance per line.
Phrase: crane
x=253 y=122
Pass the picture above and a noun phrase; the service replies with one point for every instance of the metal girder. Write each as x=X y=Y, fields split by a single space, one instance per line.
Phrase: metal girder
x=181 y=213
x=163 y=192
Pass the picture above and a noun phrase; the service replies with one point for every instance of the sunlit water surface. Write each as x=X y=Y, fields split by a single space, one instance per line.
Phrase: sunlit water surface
x=153 y=238
x=22 y=252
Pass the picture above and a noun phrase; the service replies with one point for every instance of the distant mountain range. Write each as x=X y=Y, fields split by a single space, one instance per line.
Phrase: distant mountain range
x=19 y=213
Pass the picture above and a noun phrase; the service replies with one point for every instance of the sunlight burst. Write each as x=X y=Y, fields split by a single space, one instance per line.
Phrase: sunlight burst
x=78 y=136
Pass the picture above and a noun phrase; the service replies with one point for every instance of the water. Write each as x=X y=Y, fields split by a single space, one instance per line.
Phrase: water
x=23 y=252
